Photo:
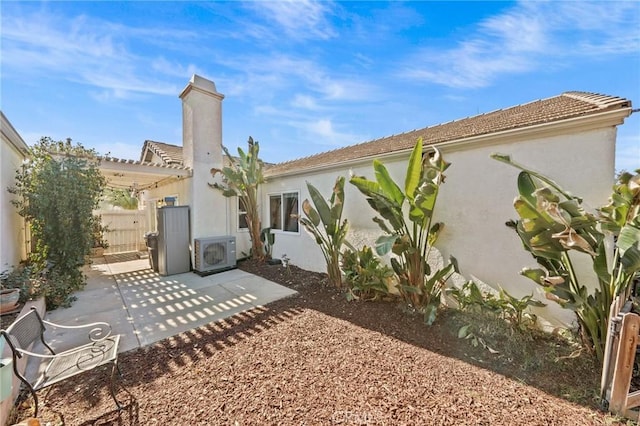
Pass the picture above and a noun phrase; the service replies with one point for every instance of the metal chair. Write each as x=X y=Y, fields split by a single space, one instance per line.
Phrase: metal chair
x=102 y=349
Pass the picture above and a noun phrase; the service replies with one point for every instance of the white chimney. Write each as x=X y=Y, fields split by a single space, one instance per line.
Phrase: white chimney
x=202 y=151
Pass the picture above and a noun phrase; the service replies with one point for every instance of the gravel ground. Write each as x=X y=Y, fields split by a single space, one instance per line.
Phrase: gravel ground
x=316 y=359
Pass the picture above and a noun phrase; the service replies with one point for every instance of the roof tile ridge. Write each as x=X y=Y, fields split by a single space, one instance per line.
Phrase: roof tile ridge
x=352 y=146
x=164 y=143
x=295 y=160
x=599 y=100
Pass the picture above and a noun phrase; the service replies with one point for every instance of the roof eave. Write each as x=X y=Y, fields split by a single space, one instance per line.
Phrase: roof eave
x=12 y=135
x=583 y=123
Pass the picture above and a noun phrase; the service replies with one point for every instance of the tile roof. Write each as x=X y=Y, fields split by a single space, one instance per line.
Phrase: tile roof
x=170 y=154
x=558 y=108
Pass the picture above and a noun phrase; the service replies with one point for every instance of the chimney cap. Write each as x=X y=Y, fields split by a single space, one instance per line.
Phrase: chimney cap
x=201 y=84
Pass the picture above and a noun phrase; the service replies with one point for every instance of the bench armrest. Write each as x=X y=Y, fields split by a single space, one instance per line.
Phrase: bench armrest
x=98 y=332
x=71 y=351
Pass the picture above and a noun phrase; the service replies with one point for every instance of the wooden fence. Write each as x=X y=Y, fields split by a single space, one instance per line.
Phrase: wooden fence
x=125 y=230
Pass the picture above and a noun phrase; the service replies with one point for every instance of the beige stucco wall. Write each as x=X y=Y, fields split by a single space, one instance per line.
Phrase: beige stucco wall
x=12 y=226
x=475 y=202
x=180 y=188
x=202 y=151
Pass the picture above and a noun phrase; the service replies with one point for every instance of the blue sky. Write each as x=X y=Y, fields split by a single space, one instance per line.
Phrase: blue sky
x=304 y=77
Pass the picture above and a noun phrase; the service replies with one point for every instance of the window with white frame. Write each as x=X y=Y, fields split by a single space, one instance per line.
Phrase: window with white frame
x=283 y=209
x=242 y=214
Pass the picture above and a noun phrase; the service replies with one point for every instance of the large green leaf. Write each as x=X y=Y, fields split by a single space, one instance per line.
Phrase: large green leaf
x=441 y=274
x=388 y=210
x=387 y=185
x=538 y=275
x=526 y=209
x=384 y=243
x=526 y=187
x=366 y=186
x=382 y=224
x=321 y=204
x=425 y=201
x=397 y=267
x=454 y=262
x=414 y=170
x=600 y=264
x=629 y=244
x=434 y=233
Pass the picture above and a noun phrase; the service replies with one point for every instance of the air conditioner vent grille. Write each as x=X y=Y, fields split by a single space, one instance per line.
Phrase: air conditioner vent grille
x=215 y=253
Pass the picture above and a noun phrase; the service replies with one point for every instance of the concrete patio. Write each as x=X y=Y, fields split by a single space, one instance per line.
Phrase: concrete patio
x=144 y=307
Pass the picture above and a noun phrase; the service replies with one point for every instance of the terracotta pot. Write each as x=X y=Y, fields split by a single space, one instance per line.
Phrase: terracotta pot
x=97 y=252
x=9 y=299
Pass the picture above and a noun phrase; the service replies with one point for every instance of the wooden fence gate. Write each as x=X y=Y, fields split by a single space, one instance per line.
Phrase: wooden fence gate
x=125 y=230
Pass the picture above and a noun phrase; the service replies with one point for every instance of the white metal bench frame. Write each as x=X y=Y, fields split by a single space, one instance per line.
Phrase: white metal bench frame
x=102 y=349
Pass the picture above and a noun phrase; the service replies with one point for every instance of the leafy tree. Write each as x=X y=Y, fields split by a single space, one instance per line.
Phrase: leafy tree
x=554 y=227
x=411 y=240
x=242 y=179
x=332 y=234
x=58 y=188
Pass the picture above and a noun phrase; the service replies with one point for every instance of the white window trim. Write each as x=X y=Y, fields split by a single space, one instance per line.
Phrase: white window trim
x=268 y=203
x=238 y=229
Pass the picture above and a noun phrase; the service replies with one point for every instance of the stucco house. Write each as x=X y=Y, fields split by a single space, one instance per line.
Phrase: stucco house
x=570 y=137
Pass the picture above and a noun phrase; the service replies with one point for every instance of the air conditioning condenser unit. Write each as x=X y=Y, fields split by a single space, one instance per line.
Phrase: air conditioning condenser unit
x=214 y=254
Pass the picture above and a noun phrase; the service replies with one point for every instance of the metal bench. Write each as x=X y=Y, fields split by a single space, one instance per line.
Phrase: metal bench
x=102 y=349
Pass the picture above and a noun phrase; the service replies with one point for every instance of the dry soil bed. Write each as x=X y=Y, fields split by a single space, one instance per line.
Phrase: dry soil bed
x=317 y=359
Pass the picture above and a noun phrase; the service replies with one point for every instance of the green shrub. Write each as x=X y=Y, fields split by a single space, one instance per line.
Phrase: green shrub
x=364 y=274
x=501 y=304
x=493 y=314
x=57 y=190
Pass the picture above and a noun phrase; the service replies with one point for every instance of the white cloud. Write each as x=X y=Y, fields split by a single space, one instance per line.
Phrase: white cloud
x=324 y=131
x=270 y=74
x=175 y=69
x=299 y=19
x=87 y=51
x=304 y=101
x=323 y=128
x=527 y=37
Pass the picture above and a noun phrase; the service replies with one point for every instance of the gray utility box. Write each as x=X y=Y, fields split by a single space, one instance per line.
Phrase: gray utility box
x=173 y=240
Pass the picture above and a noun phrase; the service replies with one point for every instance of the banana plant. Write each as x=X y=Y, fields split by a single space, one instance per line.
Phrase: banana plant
x=242 y=179
x=553 y=224
x=410 y=238
x=325 y=224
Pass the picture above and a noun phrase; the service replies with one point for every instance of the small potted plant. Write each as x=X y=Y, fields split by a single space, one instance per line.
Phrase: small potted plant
x=9 y=298
x=16 y=286
x=12 y=285
x=99 y=242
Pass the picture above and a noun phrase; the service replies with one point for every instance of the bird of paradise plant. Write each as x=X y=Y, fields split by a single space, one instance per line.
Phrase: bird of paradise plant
x=411 y=238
